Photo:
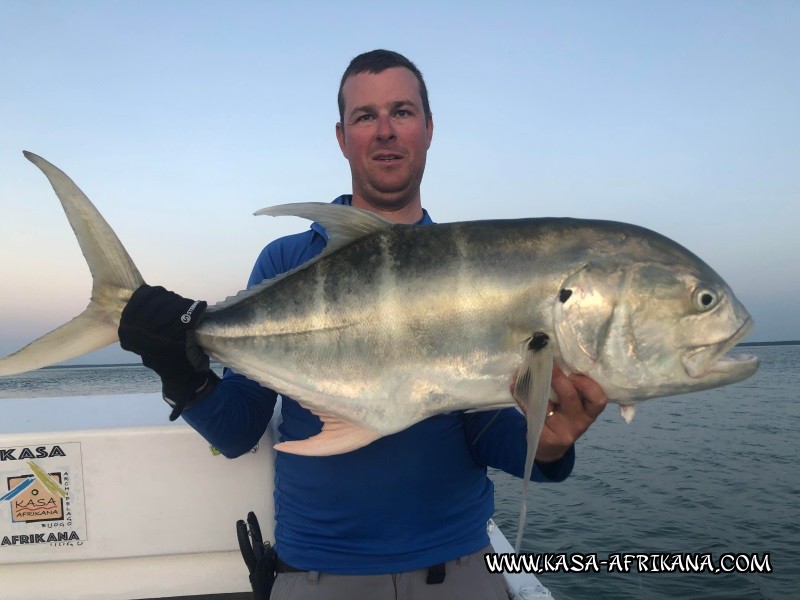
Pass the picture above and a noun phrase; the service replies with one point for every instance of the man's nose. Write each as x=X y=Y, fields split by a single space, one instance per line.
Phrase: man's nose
x=385 y=130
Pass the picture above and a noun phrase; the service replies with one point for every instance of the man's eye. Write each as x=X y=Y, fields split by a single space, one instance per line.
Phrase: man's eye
x=363 y=118
x=402 y=113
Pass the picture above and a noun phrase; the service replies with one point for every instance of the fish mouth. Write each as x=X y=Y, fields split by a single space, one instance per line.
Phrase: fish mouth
x=720 y=365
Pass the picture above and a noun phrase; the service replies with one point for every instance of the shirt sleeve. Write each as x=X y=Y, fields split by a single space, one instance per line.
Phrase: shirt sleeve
x=497 y=439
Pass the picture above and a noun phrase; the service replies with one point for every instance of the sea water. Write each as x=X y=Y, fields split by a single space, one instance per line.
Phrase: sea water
x=712 y=472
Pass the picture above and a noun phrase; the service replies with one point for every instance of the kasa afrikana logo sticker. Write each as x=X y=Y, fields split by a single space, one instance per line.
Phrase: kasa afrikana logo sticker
x=36 y=497
x=42 y=496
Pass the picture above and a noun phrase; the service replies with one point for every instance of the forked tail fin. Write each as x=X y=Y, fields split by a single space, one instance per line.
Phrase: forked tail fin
x=114 y=275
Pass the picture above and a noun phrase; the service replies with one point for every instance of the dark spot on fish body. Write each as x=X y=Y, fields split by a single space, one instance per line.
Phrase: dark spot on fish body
x=564 y=295
x=538 y=341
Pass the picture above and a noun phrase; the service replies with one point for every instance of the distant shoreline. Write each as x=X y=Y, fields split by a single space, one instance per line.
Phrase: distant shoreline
x=138 y=364
x=133 y=364
x=784 y=343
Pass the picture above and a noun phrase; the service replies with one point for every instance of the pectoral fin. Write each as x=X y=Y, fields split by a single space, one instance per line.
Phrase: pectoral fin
x=533 y=388
x=336 y=437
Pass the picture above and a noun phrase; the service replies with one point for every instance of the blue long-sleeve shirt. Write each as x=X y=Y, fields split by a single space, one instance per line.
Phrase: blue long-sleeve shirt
x=407 y=501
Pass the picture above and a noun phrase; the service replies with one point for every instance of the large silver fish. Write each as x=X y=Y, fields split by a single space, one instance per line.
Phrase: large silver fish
x=394 y=323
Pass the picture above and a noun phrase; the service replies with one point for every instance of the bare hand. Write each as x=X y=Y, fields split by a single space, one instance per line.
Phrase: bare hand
x=580 y=402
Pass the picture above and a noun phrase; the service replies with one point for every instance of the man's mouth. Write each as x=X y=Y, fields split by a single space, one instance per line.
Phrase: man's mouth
x=387 y=156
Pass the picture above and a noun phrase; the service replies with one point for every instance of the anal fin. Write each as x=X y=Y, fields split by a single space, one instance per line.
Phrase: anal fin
x=337 y=437
x=533 y=388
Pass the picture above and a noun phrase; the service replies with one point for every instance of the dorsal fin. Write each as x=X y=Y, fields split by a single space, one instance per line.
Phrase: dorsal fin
x=343 y=224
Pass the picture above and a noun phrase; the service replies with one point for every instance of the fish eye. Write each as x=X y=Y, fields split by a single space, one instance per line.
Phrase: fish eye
x=704 y=299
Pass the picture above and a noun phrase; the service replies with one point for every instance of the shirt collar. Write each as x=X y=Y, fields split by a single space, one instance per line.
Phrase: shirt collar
x=347 y=200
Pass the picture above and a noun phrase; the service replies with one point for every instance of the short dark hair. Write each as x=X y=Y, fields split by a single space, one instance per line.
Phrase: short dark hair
x=377 y=61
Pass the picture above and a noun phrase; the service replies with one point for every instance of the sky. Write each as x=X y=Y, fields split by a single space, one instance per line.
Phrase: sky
x=180 y=119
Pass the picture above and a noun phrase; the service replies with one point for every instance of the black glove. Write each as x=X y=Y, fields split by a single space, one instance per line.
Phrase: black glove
x=156 y=324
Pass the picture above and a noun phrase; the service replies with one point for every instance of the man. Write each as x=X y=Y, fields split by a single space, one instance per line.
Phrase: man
x=404 y=516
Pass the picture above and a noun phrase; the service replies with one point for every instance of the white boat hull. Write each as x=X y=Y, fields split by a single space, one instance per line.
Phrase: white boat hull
x=149 y=511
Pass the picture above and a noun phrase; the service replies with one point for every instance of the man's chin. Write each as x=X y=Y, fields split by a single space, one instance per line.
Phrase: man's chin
x=388 y=205
x=388 y=202
x=391 y=197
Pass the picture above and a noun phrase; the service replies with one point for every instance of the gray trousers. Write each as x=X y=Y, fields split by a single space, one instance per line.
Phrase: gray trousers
x=466 y=578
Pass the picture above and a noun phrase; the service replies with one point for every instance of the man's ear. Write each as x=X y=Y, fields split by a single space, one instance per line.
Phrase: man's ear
x=340 y=139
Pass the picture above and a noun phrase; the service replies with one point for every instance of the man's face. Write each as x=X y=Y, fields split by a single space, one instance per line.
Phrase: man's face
x=385 y=137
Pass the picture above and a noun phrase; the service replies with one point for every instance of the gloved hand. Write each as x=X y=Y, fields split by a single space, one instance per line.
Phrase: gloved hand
x=156 y=324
